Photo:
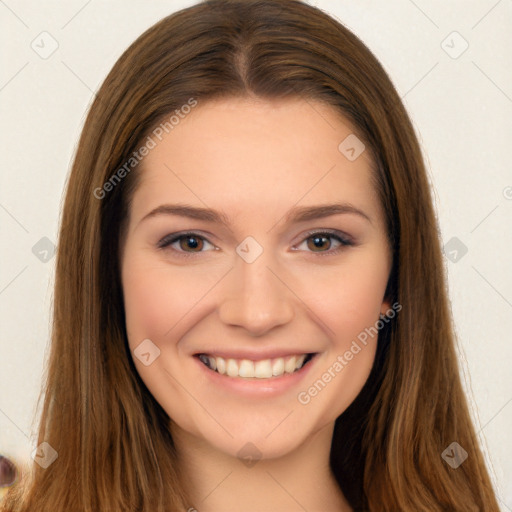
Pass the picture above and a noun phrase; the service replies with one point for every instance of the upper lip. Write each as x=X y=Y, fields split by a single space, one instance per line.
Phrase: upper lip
x=254 y=355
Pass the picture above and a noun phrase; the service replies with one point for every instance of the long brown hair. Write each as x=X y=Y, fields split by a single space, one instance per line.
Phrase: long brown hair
x=115 y=451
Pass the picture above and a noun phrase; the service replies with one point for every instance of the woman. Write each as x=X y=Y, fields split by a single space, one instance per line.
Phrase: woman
x=207 y=352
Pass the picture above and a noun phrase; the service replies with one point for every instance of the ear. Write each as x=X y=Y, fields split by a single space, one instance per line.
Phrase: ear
x=387 y=301
x=386 y=306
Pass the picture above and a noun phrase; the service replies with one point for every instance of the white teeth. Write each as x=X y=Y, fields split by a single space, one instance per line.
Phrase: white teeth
x=300 y=361
x=263 y=369
x=278 y=366
x=246 y=368
x=289 y=364
x=221 y=365
x=232 y=368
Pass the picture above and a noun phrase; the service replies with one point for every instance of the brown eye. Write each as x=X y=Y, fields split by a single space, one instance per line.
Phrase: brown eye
x=185 y=244
x=319 y=242
x=191 y=242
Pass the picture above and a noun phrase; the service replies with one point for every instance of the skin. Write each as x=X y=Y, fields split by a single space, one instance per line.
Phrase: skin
x=254 y=160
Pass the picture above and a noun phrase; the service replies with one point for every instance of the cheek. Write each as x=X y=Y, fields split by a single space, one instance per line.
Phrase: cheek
x=143 y=305
x=351 y=300
x=155 y=299
x=349 y=307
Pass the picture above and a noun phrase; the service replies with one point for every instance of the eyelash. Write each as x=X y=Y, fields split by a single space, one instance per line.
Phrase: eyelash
x=168 y=240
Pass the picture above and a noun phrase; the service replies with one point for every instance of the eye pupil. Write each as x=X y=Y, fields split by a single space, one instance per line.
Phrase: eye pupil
x=318 y=241
x=191 y=242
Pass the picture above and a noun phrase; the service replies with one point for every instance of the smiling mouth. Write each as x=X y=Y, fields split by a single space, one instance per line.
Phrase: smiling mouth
x=262 y=369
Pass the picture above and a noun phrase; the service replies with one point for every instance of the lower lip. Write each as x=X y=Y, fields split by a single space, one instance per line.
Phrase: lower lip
x=257 y=387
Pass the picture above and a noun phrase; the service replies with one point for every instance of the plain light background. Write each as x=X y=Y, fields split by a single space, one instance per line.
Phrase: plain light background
x=460 y=100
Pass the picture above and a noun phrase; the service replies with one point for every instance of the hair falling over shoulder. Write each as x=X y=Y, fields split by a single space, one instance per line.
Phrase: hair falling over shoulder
x=115 y=451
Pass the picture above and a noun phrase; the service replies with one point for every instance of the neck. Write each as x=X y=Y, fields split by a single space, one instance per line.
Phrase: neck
x=300 y=480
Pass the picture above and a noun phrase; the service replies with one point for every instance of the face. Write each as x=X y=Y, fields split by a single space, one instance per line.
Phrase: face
x=246 y=292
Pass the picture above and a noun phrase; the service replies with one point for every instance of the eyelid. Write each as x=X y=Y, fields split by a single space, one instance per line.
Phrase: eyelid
x=334 y=232
x=344 y=240
x=169 y=239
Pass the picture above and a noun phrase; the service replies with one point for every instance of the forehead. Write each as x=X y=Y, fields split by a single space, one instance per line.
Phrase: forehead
x=253 y=156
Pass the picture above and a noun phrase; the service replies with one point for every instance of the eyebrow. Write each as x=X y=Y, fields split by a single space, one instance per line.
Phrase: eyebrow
x=296 y=214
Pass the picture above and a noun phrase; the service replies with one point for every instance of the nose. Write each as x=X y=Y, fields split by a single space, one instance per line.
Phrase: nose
x=256 y=297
